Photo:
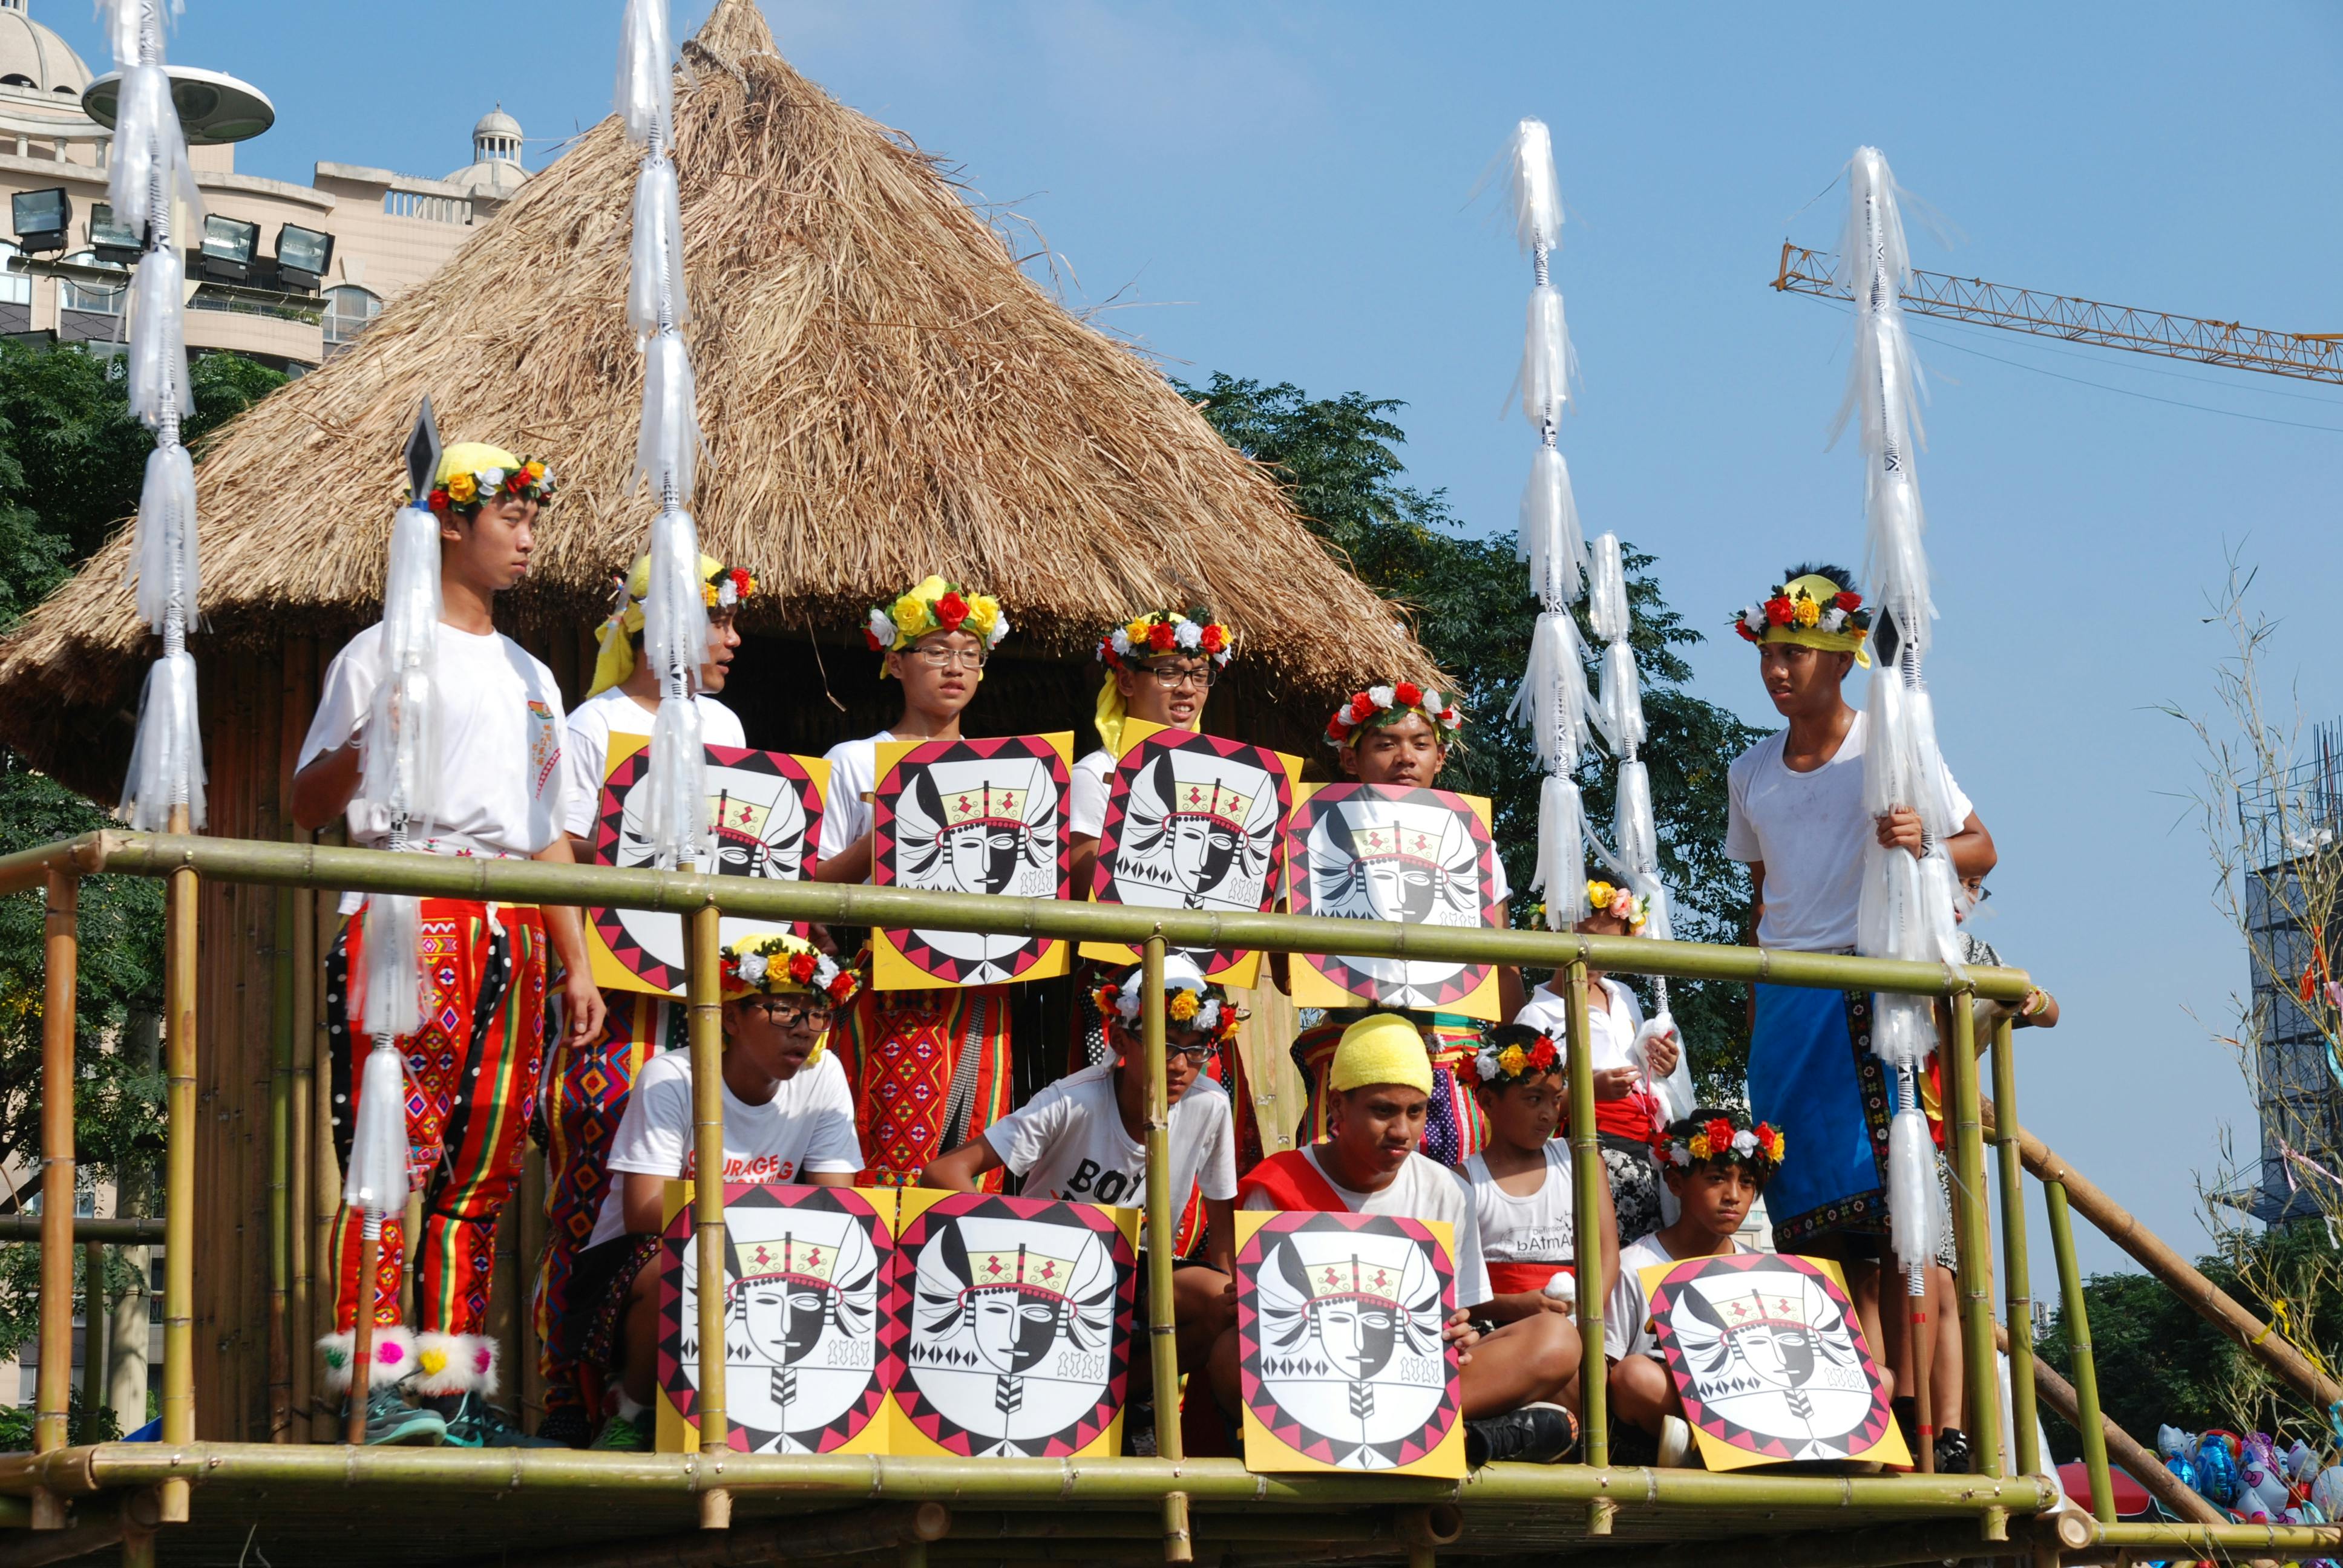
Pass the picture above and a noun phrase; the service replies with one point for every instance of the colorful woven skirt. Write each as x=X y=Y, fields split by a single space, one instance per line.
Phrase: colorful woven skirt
x=929 y=1070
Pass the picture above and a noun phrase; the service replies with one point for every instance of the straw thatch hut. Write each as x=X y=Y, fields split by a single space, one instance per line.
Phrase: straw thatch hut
x=884 y=394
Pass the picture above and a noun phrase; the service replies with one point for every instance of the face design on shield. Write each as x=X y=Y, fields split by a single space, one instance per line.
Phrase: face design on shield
x=1384 y=863
x=1773 y=1336
x=758 y=822
x=989 y=837
x=1350 y=1346
x=1207 y=838
x=792 y=1290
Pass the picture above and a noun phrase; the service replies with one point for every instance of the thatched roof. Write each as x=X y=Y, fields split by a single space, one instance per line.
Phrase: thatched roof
x=884 y=394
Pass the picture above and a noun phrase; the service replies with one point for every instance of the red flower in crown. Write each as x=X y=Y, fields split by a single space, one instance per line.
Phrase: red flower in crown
x=801 y=966
x=438 y=500
x=1847 y=600
x=1738 y=625
x=1543 y=1056
x=1778 y=611
x=1216 y=637
x=1361 y=706
x=1720 y=1134
x=1408 y=694
x=872 y=639
x=1162 y=637
x=950 y=611
x=744 y=585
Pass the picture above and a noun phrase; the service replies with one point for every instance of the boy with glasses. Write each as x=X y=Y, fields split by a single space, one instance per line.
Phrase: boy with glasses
x=786 y=1118
x=1160 y=667
x=928 y=1069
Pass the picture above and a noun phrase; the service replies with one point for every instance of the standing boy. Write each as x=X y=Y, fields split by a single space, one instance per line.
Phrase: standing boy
x=929 y=1069
x=472 y=1070
x=588 y=1079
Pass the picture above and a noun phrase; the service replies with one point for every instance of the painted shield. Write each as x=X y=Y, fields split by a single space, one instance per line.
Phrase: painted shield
x=970 y=817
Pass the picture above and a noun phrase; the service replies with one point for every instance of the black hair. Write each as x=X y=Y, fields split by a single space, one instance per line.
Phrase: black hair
x=1505 y=1034
x=1681 y=1131
x=1837 y=574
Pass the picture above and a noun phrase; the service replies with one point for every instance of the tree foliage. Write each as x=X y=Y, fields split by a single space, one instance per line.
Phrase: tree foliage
x=1468 y=599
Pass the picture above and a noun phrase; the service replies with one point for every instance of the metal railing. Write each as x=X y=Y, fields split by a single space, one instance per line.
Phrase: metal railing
x=53 y=1472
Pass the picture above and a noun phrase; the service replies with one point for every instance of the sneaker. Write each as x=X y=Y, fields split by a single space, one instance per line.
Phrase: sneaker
x=1952 y=1452
x=473 y=1423
x=1535 y=1434
x=619 y=1435
x=1676 y=1442
x=390 y=1420
x=568 y=1426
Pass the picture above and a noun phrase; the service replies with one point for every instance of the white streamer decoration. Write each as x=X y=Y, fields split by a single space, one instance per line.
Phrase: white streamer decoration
x=149 y=172
x=667 y=448
x=1907 y=909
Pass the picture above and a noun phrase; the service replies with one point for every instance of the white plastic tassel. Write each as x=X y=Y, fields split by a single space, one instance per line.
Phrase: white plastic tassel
x=1636 y=829
x=667 y=451
x=1606 y=593
x=1658 y=924
x=656 y=296
x=1537 y=195
x=1915 y=1201
x=167 y=757
x=1553 y=697
x=1619 y=710
x=150 y=151
x=163 y=558
x=1550 y=538
x=674 y=825
x=376 y=1181
x=1561 y=852
x=1546 y=361
x=123 y=19
x=645 y=97
x=390 y=995
x=158 y=348
x=675 y=612
x=401 y=767
x=1903 y=1028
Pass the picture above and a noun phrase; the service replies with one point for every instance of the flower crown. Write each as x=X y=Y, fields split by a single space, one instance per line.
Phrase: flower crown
x=934 y=605
x=727 y=587
x=778 y=964
x=1790 y=604
x=1624 y=903
x=1162 y=631
x=1381 y=705
x=1760 y=1146
x=1184 y=1007
x=1512 y=1063
x=463 y=492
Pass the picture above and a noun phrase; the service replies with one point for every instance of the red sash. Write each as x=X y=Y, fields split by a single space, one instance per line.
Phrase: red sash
x=1291 y=1182
x=1514 y=1278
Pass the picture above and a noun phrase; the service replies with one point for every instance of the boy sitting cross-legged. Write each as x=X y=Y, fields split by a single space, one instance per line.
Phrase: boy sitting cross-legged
x=1379 y=1088
x=1521 y=1183
x=1717 y=1164
x=1081 y=1139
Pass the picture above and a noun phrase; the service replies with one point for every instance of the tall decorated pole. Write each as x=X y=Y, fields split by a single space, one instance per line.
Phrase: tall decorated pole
x=1619 y=714
x=667 y=450
x=1907 y=909
x=400 y=777
x=165 y=789
x=1553 y=699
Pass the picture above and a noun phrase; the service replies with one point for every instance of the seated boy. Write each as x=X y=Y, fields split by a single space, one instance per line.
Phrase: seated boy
x=1522 y=1184
x=1715 y=1164
x=1379 y=1088
x=786 y=1118
x=1081 y=1139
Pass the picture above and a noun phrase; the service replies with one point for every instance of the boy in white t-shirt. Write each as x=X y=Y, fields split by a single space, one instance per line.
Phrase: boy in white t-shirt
x=786 y=1118
x=1716 y=1165
x=1081 y=1139
x=472 y=1068
x=586 y=1081
x=1380 y=1090
x=1160 y=667
x=1521 y=1191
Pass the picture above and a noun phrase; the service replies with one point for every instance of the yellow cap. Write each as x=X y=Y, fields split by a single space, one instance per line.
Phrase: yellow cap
x=473 y=458
x=1381 y=1048
x=613 y=660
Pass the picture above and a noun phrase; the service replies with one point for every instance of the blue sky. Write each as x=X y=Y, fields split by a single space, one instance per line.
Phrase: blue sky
x=1283 y=191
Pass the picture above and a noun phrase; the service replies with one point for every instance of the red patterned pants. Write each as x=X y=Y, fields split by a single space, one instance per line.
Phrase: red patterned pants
x=929 y=1070
x=471 y=1087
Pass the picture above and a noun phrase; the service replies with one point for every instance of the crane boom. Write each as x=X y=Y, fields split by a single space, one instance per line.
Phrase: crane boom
x=2305 y=355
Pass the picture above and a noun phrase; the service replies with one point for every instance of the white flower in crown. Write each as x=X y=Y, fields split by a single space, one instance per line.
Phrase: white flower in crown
x=1208 y=1017
x=1485 y=1063
x=490 y=478
x=1000 y=631
x=882 y=628
x=1433 y=702
x=728 y=593
x=1745 y=1143
x=1680 y=1153
x=753 y=965
x=1833 y=619
x=1382 y=696
x=1120 y=643
x=1188 y=634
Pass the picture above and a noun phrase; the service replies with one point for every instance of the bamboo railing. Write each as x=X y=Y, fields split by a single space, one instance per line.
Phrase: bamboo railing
x=300 y=1178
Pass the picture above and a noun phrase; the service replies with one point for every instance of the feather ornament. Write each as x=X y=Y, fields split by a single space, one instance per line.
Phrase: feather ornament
x=667 y=450
x=1914 y=1197
x=656 y=295
x=1550 y=540
x=159 y=387
x=1537 y=194
x=166 y=755
x=645 y=95
x=1561 y=852
x=1548 y=365
x=164 y=567
x=1553 y=697
x=400 y=769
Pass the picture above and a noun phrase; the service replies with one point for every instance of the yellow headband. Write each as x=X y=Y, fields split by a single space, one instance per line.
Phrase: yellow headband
x=473 y=458
x=613 y=660
x=1811 y=611
x=1383 y=1047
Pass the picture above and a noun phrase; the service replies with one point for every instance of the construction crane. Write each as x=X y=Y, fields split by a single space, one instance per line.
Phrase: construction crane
x=2306 y=356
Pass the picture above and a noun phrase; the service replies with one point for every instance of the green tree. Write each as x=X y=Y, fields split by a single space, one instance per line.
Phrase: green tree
x=1339 y=460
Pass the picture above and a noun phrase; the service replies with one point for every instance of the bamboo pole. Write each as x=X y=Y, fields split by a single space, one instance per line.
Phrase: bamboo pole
x=61 y=958
x=845 y=1534
x=114 y=1230
x=1586 y=1212
x=530 y=1212
x=301 y=1329
x=2122 y=1447
x=325 y=1180
x=179 y=950
x=280 y=1173
x=2223 y=1542
x=704 y=994
x=93 y=1330
x=838 y=903
x=2020 y=1309
x=2208 y=1301
x=1163 y=1329
x=1974 y=1233
x=2078 y=1335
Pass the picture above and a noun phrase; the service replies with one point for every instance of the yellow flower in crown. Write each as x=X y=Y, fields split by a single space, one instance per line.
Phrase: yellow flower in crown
x=911 y=617
x=1699 y=1145
x=1513 y=1059
x=462 y=490
x=984 y=612
x=1182 y=1006
x=1807 y=612
x=1599 y=896
x=534 y=469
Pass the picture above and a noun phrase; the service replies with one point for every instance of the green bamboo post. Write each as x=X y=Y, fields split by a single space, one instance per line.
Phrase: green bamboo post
x=60 y=957
x=1163 y=1327
x=704 y=995
x=1973 y=1233
x=2020 y=1287
x=280 y=1175
x=2078 y=1335
x=1585 y=1218
x=179 y=956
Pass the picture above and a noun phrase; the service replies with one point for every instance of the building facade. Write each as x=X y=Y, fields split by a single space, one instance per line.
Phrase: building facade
x=388 y=231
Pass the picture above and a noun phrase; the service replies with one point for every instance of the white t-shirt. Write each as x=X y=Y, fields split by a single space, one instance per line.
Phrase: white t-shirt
x=806 y=1126
x=1067 y=1142
x=500 y=729
x=1534 y=1228
x=1423 y=1189
x=1086 y=792
x=846 y=815
x=1611 y=1032
x=1627 y=1314
x=1809 y=830
x=585 y=757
